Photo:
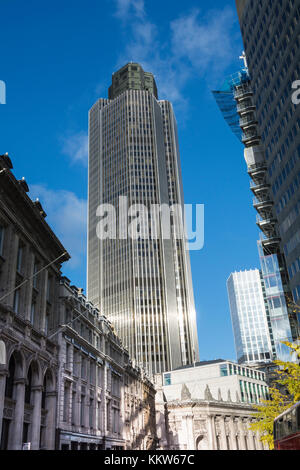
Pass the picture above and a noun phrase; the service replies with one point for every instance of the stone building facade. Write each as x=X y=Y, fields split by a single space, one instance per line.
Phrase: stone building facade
x=209 y=407
x=29 y=360
x=104 y=402
x=66 y=381
x=207 y=424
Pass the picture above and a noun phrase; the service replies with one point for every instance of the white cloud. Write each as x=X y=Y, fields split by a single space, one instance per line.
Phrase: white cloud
x=75 y=146
x=67 y=216
x=126 y=8
x=197 y=45
x=206 y=42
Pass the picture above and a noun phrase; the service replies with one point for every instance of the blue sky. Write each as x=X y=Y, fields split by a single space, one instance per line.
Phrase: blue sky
x=57 y=58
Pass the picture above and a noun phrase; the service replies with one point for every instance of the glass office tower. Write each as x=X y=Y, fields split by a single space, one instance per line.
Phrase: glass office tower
x=249 y=317
x=271 y=35
x=142 y=285
x=276 y=307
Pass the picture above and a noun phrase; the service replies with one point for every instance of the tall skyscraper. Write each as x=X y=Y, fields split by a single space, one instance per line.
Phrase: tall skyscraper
x=142 y=284
x=271 y=35
x=257 y=104
x=277 y=310
x=249 y=317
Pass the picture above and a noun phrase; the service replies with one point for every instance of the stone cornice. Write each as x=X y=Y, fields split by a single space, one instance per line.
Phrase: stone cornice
x=20 y=198
x=210 y=404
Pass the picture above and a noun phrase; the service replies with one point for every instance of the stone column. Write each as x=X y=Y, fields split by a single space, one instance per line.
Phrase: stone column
x=211 y=432
x=253 y=441
x=241 y=434
x=223 y=433
x=260 y=445
x=190 y=432
x=16 y=429
x=3 y=375
x=232 y=433
x=36 y=417
x=51 y=398
x=249 y=437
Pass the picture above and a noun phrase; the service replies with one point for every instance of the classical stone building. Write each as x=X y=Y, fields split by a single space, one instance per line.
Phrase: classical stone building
x=206 y=408
x=66 y=381
x=29 y=279
x=104 y=402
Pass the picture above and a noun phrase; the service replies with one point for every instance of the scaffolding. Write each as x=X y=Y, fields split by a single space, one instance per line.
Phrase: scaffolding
x=226 y=101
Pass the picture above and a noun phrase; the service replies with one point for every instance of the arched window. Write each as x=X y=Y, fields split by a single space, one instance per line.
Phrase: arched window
x=43 y=405
x=10 y=379
x=28 y=386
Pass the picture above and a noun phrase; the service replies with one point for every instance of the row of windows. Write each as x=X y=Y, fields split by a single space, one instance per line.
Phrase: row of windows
x=286 y=170
x=289 y=193
x=22 y=262
x=281 y=131
x=232 y=369
x=294 y=268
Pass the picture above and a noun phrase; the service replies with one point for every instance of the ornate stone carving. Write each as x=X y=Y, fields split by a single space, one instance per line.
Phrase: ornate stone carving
x=207 y=394
x=185 y=393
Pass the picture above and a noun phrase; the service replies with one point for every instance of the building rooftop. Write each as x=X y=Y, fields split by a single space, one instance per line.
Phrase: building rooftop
x=202 y=363
x=132 y=77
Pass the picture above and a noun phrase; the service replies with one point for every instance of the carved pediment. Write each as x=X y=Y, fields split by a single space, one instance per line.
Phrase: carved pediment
x=185 y=393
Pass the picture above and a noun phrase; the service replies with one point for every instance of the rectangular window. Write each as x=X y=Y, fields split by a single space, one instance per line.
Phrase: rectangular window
x=115 y=420
x=99 y=415
x=16 y=301
x=92 y=373
x=73 y=408
x=167 y=379
x=32 y=313
x=224 y=370
x=83 y=368
x=82 y=410
x=1 y=239
x=49 y=285
x=68 y=356
x=108 y=416
x=66 y=402
x=91 y=413
x=35 y=277
x=20 y=257
x=47 y=323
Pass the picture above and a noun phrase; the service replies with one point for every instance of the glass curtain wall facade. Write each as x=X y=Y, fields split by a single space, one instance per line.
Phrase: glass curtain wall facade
x=143 y=284
x=249 y=317
x=277 y=312
x=271 y=35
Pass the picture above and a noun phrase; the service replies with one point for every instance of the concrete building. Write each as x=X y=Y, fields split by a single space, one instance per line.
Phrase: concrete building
x=142 y=284
x=66 y=380
x=209 y=407
x=225 y=379
x=29 y=359
x=270 y=32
